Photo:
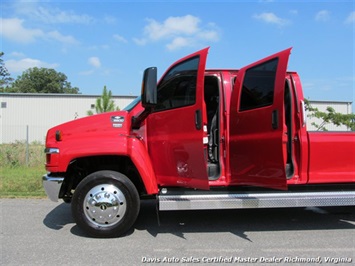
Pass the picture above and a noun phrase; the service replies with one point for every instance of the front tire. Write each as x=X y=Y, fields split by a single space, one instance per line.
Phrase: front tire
x=105 y=204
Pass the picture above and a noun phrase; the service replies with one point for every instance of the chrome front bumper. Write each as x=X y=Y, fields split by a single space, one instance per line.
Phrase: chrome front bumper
x=52 y=186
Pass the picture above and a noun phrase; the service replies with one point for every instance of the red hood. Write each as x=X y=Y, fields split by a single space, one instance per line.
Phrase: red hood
x=95 y=127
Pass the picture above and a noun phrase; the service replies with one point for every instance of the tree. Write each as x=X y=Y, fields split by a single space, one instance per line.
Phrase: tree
x=104 y=103
x=42 y=80
x=330 y=116
x=5 y=79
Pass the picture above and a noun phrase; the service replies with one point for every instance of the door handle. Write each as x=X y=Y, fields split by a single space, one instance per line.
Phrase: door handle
x=275 y=119
x=198 y=119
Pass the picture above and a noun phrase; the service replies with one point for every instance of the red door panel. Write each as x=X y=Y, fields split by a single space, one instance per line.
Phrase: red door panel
x=257 y=128
x=175 y=128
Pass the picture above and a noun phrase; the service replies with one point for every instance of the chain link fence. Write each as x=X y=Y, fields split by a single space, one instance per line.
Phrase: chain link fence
x=22 y=145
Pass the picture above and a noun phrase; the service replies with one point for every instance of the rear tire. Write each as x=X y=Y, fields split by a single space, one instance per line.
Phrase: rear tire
x=105 y=204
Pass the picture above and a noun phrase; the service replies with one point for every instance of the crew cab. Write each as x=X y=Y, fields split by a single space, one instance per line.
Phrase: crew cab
x=199 y=139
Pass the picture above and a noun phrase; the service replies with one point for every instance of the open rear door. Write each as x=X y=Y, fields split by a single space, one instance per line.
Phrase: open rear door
x=257 y=123
x=175 y=129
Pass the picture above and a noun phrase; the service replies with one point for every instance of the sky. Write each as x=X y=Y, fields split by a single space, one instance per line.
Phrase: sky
x=110 y=43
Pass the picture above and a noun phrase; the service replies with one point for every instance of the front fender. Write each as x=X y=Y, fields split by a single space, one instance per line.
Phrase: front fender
x=140 y=157
x=122 y=146
x=74 y=148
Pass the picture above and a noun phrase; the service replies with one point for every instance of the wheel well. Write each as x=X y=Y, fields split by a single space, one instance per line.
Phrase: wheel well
x=79 y=168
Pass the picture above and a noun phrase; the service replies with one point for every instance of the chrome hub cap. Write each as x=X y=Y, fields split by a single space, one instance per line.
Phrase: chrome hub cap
x=104 y=205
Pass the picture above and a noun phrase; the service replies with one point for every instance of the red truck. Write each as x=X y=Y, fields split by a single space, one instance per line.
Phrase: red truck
x=199 y=139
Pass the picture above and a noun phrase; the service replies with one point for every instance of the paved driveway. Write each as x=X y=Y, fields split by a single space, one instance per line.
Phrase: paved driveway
x=40 y=232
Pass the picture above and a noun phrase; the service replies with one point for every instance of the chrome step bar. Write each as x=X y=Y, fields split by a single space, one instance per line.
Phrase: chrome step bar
x=248 y=200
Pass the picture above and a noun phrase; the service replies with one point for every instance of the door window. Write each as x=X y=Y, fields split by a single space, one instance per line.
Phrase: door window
x=258 y=86
x=178 y=87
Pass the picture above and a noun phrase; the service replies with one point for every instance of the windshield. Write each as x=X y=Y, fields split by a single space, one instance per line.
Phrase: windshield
x=132 y=104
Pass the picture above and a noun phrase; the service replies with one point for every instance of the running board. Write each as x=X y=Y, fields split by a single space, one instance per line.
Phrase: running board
x=255 y=200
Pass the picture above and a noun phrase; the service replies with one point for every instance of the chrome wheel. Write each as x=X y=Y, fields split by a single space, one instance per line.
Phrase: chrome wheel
x=104 y=205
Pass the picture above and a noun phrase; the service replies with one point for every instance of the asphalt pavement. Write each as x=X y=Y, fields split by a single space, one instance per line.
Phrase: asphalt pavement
x=41 y=232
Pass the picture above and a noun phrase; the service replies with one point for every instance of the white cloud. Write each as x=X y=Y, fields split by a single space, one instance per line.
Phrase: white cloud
x=179 y=42
x=271 y=18
x=120 y=38
x=94 y=61
x=17 y=54
x=17 y=66
x=55 y=35
x=141 y=42
x=48 y=14
x=351 y=18
x=110 y=20
x=322 y=16
x=99 y=47
x=172 y=26
x=178 y=31
x=209 y=35
x=13 y=29
x=58 y=16
x=87 y=72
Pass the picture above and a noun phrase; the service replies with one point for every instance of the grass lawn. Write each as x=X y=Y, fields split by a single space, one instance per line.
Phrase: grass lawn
x=21 y=170
x=21 y=181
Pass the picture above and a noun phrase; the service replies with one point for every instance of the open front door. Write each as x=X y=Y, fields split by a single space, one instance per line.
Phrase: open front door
x=175 y=129
x=258 y=139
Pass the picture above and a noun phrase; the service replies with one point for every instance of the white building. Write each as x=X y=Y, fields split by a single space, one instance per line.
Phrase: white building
x=339 y=107
x=26 y=116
